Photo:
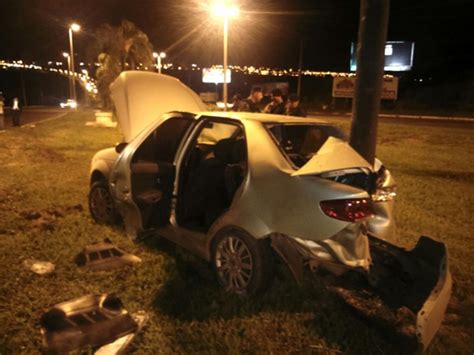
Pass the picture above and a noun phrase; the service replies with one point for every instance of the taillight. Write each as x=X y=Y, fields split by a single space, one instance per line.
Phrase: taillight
x=350 y=210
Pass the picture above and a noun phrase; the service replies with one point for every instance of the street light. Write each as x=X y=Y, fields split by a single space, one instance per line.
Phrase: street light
x=69 y=73
x=225 y=11
x=73 y=28
x=158 y=57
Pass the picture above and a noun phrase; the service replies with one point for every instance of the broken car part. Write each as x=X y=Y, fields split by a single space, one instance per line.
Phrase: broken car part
x=418 y=279
x=85 y=322
x=122 y=344
x=105 y=256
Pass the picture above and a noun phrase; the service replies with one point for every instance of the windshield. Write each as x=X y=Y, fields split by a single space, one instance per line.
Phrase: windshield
x=299 y=142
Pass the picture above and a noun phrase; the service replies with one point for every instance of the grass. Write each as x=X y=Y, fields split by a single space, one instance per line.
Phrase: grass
x=46 y=169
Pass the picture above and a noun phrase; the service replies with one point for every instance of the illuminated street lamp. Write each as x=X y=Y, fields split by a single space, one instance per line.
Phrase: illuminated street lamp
x=225 y=11
x=73 y=28
x=69 y=73
x=158 y=57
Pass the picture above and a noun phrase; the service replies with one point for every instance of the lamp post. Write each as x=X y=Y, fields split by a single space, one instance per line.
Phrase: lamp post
x=73 y=28
x=158 y=57
x=226 y=11
x=69 y=72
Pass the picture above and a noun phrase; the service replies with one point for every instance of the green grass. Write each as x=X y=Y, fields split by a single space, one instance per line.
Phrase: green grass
x=47 y=167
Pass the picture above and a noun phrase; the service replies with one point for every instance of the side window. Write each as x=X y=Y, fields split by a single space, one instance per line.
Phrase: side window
x=224 y=141
x=168 y=136
x=163 y=142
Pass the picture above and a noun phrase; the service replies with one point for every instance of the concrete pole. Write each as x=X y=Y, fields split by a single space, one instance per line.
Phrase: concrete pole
x=226 y=32
x=373 y=25
x=71 y=80
x=71 y=47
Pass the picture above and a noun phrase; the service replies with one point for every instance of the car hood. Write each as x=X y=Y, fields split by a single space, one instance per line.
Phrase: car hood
x=141 y=98
x=335 y=154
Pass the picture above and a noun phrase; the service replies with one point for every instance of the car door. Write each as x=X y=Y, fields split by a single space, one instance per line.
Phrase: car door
x=143 y=176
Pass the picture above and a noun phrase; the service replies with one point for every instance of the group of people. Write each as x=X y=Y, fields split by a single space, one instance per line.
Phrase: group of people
x=277 y=105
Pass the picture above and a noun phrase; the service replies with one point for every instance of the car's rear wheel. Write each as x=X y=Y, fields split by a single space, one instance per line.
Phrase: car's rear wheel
x=243 y=265
x=101 y=204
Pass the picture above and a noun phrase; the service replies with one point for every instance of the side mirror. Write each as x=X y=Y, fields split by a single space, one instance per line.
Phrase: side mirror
x=119 y=147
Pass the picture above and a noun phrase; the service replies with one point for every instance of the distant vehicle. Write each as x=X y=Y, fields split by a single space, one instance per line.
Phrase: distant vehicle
x=233 y=187
x=69 y=104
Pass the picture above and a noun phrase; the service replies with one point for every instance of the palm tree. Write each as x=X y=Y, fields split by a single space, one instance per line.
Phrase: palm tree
x=118 y=49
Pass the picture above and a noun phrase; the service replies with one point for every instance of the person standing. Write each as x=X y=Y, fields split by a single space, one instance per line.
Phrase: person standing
x=16 y=112
x=293 y=107
x=277 y=105
x=238 y=104
x=253 y=101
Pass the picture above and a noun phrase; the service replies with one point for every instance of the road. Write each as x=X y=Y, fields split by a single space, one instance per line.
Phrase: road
x=413 y=120
x=33 y=114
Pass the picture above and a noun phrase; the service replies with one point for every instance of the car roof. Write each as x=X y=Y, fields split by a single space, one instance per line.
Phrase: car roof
x=262 y=117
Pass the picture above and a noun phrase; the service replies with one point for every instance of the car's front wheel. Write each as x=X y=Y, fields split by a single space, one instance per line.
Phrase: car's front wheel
x=243 y=265
x=101 y=204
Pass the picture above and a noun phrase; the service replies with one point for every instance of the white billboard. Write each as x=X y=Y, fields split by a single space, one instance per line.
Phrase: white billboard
x=398 y=56
x=215 y=75
x=344 y=87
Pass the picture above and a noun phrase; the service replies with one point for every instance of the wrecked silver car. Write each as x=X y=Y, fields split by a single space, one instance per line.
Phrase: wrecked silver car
x=232 y=187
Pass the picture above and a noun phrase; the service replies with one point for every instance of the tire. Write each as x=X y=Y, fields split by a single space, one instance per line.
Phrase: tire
x=101 y=204
x=242 y=264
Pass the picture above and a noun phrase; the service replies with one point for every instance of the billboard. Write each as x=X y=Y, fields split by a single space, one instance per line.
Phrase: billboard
x=344 y=87
x=215 y=75
x=398 y=56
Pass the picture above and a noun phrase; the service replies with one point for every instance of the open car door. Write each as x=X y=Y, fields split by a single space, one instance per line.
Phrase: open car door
x=143 y=175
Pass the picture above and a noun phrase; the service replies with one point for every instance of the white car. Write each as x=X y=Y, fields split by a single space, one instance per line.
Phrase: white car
x=69 y=104
x=234 y=187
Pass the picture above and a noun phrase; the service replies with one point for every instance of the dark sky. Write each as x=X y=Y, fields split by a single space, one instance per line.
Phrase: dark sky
x=268 y=32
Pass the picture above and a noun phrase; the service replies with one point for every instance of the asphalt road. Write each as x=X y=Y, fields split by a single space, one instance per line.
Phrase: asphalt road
x=32 y=115
x=417 y=121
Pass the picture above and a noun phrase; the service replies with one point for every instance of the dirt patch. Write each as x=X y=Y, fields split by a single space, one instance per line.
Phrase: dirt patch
x=46 y=219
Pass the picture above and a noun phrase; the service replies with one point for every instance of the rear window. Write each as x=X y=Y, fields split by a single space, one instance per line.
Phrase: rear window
x=299 y=142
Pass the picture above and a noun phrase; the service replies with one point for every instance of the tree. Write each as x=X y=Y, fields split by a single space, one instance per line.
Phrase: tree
x=118 y=49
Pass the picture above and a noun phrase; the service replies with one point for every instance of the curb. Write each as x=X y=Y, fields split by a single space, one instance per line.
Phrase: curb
x=413 y=117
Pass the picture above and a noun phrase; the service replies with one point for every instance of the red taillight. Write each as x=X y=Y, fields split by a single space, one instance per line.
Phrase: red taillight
x=350 y=210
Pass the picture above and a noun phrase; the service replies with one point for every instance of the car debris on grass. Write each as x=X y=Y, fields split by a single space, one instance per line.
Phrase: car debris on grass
x=105 y=256
x=87 y=322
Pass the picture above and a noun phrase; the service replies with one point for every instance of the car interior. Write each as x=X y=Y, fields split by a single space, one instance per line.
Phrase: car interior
x=300 y=142
x=212 y=170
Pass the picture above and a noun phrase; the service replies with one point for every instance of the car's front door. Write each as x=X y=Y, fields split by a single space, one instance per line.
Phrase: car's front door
x=145 y=174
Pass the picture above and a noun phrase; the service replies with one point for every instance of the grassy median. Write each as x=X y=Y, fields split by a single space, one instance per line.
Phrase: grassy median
x=45 y=170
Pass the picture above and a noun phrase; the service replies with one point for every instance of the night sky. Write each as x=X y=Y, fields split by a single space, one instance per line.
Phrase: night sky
x=267 y=32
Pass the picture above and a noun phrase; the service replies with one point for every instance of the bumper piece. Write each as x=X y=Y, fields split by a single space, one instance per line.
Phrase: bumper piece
x=418 y=279
x=401 y=287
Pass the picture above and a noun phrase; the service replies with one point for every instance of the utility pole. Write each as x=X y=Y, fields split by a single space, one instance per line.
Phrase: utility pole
x=23 y=90
x=300 y=65
x=373 y=25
